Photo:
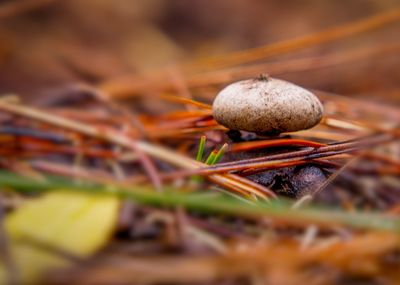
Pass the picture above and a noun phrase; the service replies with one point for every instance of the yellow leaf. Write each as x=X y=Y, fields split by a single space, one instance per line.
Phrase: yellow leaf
x=73 y=222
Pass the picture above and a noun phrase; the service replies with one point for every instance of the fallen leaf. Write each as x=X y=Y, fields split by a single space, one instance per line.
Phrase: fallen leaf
x=75 y=223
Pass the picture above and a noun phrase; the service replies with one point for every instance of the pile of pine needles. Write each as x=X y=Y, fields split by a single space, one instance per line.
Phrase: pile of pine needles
x=191 y=210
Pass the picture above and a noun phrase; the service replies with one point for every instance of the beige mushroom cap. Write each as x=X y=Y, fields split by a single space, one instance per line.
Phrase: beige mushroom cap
x=266 y=105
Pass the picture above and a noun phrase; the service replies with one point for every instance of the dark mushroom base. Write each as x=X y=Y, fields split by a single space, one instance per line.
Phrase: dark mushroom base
x=242 y=136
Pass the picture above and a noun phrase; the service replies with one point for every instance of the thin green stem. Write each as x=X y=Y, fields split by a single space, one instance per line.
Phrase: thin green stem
x=219 y=154
x=211 y=157
x=200 y=151
x=276 y=209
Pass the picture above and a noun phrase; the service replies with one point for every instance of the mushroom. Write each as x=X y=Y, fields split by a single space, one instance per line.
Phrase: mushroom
x=266 y=105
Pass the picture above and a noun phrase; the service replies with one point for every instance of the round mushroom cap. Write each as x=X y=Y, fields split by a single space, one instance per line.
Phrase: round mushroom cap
x=266 y=105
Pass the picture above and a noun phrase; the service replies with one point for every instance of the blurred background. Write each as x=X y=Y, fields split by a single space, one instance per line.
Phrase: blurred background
x=47 y=44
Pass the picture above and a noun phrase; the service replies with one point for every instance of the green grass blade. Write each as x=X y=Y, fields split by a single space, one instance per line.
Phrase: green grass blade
x=219 y=154
x=200 y=151
x=211 y=157
x=223 y=204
